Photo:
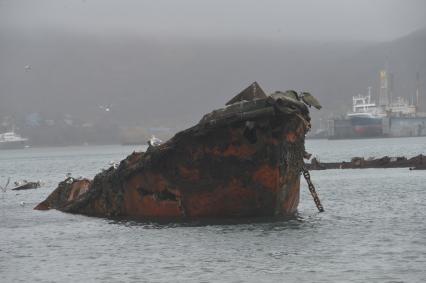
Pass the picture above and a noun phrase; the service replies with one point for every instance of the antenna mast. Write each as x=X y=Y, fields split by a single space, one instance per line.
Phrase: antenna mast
x=417 y=89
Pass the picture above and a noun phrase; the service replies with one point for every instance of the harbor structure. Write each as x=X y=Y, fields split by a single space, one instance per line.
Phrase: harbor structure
x=391 y=117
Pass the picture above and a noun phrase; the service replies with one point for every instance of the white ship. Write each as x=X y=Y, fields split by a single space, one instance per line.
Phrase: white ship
x=11 y=140
x=362 y=106
x=367 y=118
x=390 y=117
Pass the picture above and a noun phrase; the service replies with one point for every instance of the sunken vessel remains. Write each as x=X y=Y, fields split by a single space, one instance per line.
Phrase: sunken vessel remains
x=243 y=160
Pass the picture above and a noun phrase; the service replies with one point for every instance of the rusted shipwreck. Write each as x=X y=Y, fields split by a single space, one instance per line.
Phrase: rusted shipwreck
x=242 y=160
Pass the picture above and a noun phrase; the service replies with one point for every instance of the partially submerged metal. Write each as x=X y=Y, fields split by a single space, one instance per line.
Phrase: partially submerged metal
x=26 y=186
x=415 y=163
x=241 y=160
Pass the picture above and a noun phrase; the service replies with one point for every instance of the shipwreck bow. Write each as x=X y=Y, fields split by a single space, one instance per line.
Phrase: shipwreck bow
x=241 y=160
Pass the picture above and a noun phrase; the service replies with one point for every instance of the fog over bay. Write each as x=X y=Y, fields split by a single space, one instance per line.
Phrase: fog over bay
x=276 y=20
x=166 y=63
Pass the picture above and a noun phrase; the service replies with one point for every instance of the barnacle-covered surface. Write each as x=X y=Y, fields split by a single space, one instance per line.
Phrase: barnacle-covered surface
x=242 y=160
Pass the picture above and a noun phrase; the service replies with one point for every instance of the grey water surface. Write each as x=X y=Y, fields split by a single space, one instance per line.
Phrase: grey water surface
x=373 y=229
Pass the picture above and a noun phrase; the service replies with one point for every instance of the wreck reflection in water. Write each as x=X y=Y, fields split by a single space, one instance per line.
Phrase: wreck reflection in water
x=269 y=223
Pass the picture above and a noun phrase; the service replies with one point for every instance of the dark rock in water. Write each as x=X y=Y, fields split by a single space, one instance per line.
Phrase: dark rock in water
x=242 y=160
x=27 y=186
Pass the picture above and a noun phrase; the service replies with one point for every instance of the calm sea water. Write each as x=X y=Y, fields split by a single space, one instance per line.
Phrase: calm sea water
x=373 y=230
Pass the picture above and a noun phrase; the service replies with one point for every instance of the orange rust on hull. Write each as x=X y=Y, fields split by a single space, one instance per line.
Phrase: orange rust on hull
x=78 y=188
x=232 y=150
x=136 y=205
x=290 y=203
x=233 y=199
x=148 y=181
x=239 y=151
x=42 y=206
x=191 y=174
x=267 y=176
x=291 y=137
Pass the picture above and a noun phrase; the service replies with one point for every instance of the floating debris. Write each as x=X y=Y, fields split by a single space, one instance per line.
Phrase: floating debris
x=25 y=185
x=415 y=163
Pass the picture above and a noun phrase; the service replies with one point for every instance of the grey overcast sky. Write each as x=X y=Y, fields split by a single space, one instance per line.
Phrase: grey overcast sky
x=282 y=20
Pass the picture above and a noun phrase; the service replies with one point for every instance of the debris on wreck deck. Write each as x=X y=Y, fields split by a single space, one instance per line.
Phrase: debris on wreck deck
x=415 y=163
x=242 y=160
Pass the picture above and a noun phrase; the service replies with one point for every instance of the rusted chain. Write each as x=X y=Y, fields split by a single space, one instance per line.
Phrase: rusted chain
x=312 y=189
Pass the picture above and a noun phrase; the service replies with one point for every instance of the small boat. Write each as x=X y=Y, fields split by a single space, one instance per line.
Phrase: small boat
x=11 y=140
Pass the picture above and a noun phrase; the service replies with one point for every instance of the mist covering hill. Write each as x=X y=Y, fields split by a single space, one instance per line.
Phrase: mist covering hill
x=68 y=80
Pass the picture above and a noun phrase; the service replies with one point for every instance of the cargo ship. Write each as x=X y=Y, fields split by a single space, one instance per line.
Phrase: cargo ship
x=389 y=118
x=366 y=117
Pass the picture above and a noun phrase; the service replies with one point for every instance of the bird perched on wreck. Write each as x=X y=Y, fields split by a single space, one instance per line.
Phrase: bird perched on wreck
x=154 y=141
x=310 y=100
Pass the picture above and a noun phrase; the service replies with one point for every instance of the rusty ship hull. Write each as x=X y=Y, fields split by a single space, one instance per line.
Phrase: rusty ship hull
x=241 y=161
